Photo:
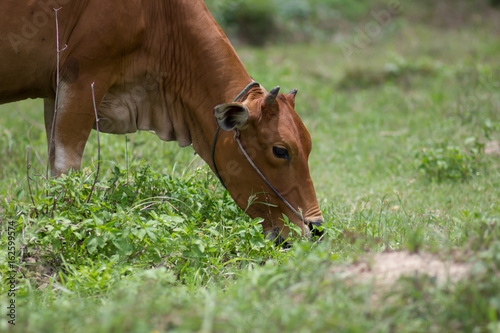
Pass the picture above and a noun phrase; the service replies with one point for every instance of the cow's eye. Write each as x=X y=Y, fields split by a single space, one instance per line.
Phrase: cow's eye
x=281 y=152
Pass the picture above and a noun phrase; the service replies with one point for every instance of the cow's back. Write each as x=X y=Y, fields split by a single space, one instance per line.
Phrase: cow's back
x=28 y=45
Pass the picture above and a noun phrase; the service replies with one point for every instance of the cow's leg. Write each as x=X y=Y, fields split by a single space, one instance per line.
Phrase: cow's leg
x=48 y=113
x=72 y=131
x=73 y=124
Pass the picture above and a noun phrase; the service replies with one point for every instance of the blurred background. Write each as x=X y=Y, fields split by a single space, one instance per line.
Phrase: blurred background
x=258 y=22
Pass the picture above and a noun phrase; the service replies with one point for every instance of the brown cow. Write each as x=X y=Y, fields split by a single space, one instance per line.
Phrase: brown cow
x=165 y=66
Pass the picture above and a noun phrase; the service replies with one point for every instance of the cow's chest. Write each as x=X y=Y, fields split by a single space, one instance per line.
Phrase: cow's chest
x=128 y=109
x=131 y=107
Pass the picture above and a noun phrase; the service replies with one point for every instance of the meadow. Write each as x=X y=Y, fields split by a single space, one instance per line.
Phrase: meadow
x=405 y=125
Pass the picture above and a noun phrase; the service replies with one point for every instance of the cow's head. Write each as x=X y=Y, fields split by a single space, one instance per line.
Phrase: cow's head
x=278 y=144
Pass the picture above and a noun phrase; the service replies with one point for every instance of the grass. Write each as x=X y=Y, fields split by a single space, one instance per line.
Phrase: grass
x=399 y=131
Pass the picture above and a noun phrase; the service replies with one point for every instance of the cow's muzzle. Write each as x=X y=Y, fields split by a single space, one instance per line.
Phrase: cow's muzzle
x=277 y=237
x=316 y=228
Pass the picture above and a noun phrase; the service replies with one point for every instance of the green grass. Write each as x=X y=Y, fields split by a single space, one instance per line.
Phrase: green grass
x=399 y=134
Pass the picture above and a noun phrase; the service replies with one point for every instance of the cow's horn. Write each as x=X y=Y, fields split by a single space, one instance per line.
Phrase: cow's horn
x=271 y=96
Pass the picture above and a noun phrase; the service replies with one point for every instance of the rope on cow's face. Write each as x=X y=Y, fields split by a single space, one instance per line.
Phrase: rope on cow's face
x=237 y=134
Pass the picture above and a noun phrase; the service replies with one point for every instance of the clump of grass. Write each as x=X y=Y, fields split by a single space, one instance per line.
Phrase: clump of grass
x=399 y=72
x=447 y=161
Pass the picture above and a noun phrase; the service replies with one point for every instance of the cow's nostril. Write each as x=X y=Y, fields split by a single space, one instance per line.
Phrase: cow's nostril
x=316 y=229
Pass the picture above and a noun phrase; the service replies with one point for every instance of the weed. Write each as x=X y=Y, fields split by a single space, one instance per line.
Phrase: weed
x=446 y=161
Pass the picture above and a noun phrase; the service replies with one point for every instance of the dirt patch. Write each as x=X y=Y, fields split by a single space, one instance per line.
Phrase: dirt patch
x=384 y=269
x=38 y=272
x=492 y=148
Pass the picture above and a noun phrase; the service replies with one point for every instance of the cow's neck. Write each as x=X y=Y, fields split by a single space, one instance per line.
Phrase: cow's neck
x=201 y=70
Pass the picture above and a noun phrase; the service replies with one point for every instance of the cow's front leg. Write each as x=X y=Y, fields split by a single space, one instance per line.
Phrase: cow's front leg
x=73 y=122
x=48 y=114
x=71 y=134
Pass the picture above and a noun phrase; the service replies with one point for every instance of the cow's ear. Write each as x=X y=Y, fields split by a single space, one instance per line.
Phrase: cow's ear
x=231 y=115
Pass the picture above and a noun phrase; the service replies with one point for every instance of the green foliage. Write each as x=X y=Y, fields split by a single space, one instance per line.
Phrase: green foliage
x=258 y=22
x=188 y=225
x=451 y=162
x=254 y=21
x=490 y=128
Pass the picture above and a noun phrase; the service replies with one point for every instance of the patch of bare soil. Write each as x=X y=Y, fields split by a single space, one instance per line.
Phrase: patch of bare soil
x=384 y=269
x=38 y=272
x=492 y=148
